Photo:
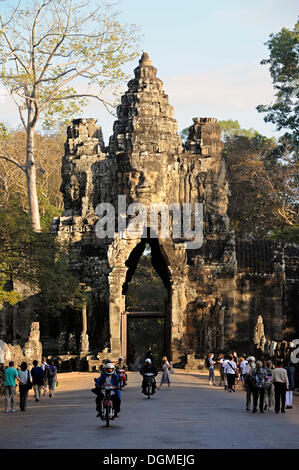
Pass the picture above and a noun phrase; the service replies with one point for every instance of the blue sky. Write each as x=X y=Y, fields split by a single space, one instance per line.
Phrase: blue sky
x=208 y=55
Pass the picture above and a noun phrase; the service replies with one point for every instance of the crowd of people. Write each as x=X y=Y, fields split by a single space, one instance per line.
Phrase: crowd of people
x=39 y=378
x=268 y=386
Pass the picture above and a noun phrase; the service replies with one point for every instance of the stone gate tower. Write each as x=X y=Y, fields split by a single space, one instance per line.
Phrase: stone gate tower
x=146 y=162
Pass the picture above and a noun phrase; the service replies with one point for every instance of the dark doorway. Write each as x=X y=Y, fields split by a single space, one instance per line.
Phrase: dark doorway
x=146 y=331
x=146 y=321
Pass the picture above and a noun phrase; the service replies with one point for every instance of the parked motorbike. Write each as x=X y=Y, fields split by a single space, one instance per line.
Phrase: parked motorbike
x=149 y=379
x=122 y=377
x=107 y=407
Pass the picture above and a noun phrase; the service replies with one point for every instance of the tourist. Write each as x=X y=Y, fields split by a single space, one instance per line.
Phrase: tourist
x=243 y=369
x=149 y=355
x=24 y=386
x=281 y=383
x=44 y=366
x=231 y=368
x=269 y=389
x=220 y=361
x=224 y=366
x=259 y=380
x=52 y=378
x=210 y=364
x=235 y=357
x=11 y=375
x=249 y=387
x=165 y=379
x=37 y=375
x=291 y=377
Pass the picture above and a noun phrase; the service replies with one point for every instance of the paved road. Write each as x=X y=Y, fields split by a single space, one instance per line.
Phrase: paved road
x=193 y=415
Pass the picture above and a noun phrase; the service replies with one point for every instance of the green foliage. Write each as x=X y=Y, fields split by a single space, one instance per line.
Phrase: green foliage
x=232 y=128
x=289 y=234
x=36 y=261
x=284 y=70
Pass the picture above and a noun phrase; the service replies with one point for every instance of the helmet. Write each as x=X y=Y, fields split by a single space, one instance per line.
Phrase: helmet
x=109 y=366
x=148 y=360
x=120 y=358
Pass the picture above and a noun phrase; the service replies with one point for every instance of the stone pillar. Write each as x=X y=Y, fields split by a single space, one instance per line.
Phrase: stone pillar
x=116 y=308
x=33 y=347
x=84 y=342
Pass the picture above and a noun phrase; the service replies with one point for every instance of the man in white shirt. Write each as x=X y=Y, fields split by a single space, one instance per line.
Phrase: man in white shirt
x=281 y=384
x=224 y=365
x=243 y=369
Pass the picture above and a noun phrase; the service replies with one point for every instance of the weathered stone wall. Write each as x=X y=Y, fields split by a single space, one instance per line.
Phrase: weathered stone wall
x=216 y=292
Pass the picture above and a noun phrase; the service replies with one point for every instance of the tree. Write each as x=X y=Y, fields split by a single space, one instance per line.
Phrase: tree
x=232 y=128
x=47 y=46
x=37 y=261
x=13 y=191
x=284 y=70
x=263 y=179
x=264 y=183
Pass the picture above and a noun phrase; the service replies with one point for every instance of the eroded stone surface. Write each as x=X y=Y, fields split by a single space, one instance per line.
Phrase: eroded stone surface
x=215 y=292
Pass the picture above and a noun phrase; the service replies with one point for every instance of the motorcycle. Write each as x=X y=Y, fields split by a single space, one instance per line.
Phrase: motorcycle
x=149 y=379
x=107 y=407
x=122 y=377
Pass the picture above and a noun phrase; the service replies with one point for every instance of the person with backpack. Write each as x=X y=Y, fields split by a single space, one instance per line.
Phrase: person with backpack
x=248 y=384
x=210 y=366
x=52 y=378
x=259 y=380
x=37 y=375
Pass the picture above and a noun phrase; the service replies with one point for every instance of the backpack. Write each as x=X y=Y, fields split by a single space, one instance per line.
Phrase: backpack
x=51 y=372
x=208 y=363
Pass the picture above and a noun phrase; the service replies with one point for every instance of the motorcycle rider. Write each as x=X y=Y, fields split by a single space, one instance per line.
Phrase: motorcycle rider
x=148 y=368
x=109 y=377
x=121 y=365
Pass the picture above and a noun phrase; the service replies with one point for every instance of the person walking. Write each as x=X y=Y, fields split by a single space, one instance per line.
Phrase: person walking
x=220 y=361
x=37 y=375
x=243 y=369
x=44 y=366
x=259 y=380
x=11 y=375
x=210 y=364
x=269 y=389
x=24 y=386
x=231 y=368
x=291 y=377
x=224 y=367
x=52 y=378
x=248 y=385
x=281 y=383
x=165 y=379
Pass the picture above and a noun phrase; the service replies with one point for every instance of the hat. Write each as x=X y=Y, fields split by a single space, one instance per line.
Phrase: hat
x=251 y=358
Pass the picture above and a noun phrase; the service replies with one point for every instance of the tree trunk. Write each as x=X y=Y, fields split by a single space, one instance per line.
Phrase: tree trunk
x=31 y=181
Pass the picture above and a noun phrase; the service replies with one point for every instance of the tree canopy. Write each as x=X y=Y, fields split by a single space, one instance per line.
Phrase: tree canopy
x=284 y=70
x=48 y=48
